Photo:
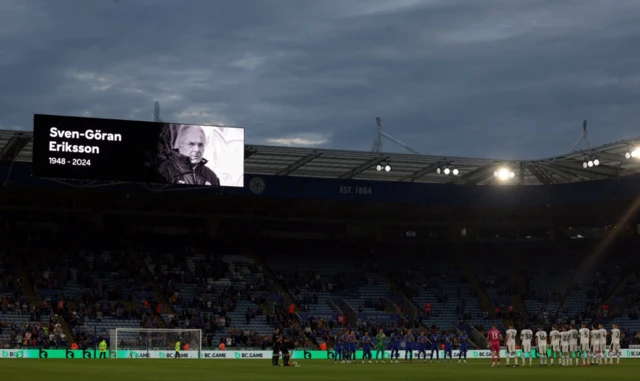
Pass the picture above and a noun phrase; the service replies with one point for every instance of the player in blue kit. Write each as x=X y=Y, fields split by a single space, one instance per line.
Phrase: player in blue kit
x=464 y=346
x=435 y=340
x=395 y=346
x=346 y=356
x=422 y=346
x=448 y=346
x=409 y=340
x=366 y=347
x=338 y=349
x=353 y=346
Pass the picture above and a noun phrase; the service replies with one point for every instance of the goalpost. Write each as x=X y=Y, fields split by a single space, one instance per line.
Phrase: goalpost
x=155 y=342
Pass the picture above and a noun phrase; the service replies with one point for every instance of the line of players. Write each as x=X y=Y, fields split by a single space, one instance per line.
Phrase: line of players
x=563 y=345
x=346 y=345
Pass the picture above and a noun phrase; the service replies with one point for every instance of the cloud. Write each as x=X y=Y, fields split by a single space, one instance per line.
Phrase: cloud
x=302 y=140
x=493 y=78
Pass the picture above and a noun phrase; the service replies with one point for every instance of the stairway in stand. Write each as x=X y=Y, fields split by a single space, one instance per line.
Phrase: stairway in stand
x=518 y=285
x=29 y=292
x=157 y=291
x=485 y=301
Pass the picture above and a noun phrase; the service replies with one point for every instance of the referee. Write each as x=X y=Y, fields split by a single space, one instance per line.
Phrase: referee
x=286 y=347
x=276 y=350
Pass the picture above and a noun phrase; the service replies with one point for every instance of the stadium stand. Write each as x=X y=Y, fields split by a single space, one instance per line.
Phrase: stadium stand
x=80 y=262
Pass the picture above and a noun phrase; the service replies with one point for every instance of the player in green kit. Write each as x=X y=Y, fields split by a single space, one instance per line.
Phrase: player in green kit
x=380 y=338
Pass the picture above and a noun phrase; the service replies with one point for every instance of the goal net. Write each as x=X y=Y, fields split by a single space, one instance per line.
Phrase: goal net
x=155 y=343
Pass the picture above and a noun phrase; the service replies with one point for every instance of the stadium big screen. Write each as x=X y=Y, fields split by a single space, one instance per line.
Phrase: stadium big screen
x=77 y=148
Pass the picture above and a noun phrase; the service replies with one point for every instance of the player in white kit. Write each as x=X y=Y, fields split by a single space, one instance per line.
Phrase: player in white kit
x=595 y=343
x=584 y=343
x=615 y=345
x=555 y=344
x=603 y=344
x=565 y=336
x=526 y=335
x=541 y=344
x=573 y=344
x=510 y=343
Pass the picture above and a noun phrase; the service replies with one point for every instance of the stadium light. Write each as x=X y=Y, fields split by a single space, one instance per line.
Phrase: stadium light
x=387 y=168
x=448 y=171
x=591 y=162
x=504 y=174
x=633 y=153
x=379 y=168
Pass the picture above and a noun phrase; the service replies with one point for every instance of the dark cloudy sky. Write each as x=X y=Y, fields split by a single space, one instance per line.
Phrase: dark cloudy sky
x=489 y=78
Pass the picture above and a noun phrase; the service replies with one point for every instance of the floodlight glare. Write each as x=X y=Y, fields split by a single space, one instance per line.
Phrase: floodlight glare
x=387 y=168
x=438 y=171
x=512 y=175
x=585 y=165
x=447 y=171
x=379 y=168
x=627 y=155
x=590 y=163
x=596 y=162
x=502 y=173
x=455 y=172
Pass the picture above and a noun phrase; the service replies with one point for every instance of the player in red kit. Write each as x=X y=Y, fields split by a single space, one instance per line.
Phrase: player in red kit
x=494 y=338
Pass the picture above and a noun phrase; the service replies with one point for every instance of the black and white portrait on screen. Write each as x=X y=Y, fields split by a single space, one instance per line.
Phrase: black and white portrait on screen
x=200 y=155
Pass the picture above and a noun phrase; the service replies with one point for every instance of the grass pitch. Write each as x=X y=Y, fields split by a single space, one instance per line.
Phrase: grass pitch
x=196 y=370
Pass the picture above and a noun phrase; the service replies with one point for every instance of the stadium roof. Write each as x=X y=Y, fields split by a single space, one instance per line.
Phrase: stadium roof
x=339 y=164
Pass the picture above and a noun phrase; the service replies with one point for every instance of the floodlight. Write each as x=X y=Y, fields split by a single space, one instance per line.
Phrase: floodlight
x=447 y=171
x=387 y=168
x=596 y=162
x=379 y=168
x=455 y=172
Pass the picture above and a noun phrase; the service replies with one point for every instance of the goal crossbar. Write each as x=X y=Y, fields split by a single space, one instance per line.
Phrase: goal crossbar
x=146 y=340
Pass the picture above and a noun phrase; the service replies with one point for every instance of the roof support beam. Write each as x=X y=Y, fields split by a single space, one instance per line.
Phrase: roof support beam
x=559 y=172
x=476 y=176
x=14 y=146
x=298 y=163
x=249 y=151
x=610 y=156
x=576 y=166
x=363 y=167
x=539 y=174
x=585 y=173
x=614 y=157
x=428 y=169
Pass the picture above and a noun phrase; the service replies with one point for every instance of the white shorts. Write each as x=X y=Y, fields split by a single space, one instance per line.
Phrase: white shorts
x=615 y=347
x=555 y=347
x=565 y=348
x=584 y=346
x=526 y=347
x=603 y=348
x=595 y=347
x=542 y=350
x=511 y=347
x=573 y=347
